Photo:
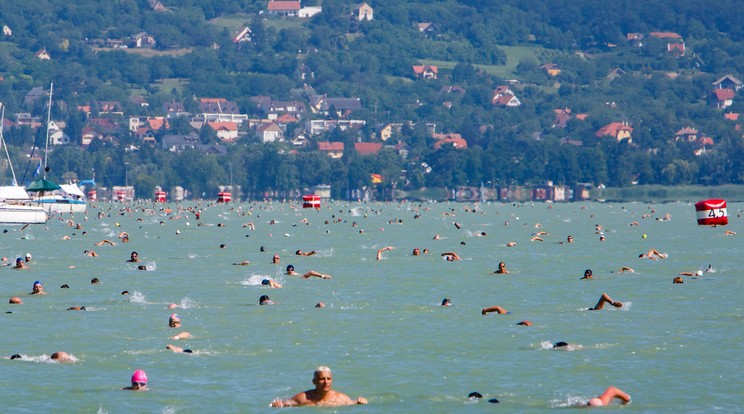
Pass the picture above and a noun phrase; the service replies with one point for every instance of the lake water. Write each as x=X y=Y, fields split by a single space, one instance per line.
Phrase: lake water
x=673 y=347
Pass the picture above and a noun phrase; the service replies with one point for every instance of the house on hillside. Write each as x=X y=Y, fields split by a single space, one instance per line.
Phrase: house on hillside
x=728 y=82
x=686 y=134
x=363 y=12
x=110 y=108
x=425 y=71
x=157 y=5
x=551 y=69
x=308 y=12
x=174 y=109
x=220 y=110
x=179 y=143
x=722 y=98
x=283 y=8
x=36 y=93
x=7 y=31
x=142 y=40
x=226 y=131
x=676 y=49
x=56 y=134
x=42 y=55
x=562 y=116
x=617 y=130
x=665 y=35
x=243 y=35
x=331 y=149
x=341 y=107
x=503 y=96
x=269 y=132
x=455 y=140
x=139 y=100
x=367 y=148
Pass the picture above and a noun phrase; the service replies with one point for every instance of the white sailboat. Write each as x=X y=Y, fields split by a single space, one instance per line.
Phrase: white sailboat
x=16 y=207
x=64 y=198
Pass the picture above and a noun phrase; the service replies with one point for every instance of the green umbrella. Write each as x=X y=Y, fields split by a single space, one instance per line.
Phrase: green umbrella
x=42 y=185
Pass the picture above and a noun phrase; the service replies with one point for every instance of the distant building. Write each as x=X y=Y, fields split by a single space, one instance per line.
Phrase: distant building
x=425 y=71
x=617 y=130
x=284 y=8
x=363 y=12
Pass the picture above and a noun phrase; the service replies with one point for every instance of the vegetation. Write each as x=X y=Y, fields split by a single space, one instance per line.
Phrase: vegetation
x=477 y=46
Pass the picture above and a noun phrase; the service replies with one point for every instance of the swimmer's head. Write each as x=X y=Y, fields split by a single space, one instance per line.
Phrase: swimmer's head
x=263 y=299
x=290 y=268
x=560 y=344
x=699 y=273
x=265 y=282
x=28 y=257
x=174 y=321
x=475 y=395
x=588 y=273
x=139 y=376
x=16 y=356
x=446 y=302
x=19 y=260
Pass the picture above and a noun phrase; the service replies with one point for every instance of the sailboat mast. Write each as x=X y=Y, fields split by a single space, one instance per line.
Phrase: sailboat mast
x=49 y=120
x=2 y=142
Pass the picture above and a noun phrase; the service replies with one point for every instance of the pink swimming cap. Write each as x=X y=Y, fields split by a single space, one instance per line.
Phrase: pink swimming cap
x=139 y=376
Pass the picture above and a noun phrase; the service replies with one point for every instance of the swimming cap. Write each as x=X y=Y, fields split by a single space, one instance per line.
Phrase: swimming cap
x=174 y=317
x=19 y=260
x=139 y=376
x=28 y=256
x=290 y=267
x=699 y=273
x=37 y=283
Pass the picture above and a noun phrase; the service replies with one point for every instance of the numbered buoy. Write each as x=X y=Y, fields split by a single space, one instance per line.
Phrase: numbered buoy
x=711 y=212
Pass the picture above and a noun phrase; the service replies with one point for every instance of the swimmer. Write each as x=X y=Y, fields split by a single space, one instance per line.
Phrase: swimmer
x=634 y=224
x=38 y=289
x=15 y=300
x=76 y=308
x=320 y=305
x=451 y=256
x=511 y=244
x=569 y=239
x=416 y=251
x=536 y=238
x=174 y=321
x=588 y=274
x=301 y=253
x=626 y=269
x=139 y=381
x=502 y=268
x=697 y=273
x=28 y=258
x=730 y=233
x=104 y=241
x=178 y=349
x=291 y=271
x=90 y=253
x=446 y=302
x=313 y=273
x=437 y=237
x=265 y=300
x=182 y=335
x=20 y=264
x=678 y=280
x=95 y=281
x=133 y=257
x=270 y=283
x=607 y=397
x=275 y=259
x=605 y=299
x=384 y=249
x=653 y=254
x=524 y=323
x=322 y=395
x=61 y=356
x=124 y=237
x=491 y=309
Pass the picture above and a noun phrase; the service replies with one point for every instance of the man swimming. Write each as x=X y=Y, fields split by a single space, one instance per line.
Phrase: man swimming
x=607 y=397
x=322 y=395
x=606 y=299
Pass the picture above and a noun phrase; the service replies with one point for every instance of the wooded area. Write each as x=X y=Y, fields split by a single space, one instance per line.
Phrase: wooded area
x=611 y=77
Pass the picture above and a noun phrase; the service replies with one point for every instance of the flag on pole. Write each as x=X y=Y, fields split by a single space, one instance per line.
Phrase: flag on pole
x=38 y=169
x=376 y=178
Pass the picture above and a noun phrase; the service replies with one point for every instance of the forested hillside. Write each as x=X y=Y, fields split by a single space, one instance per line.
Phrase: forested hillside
x=526 y=85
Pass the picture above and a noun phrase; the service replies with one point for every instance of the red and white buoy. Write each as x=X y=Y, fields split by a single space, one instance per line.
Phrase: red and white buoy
x=160 y=196
x=224 y=197
x=311 y=201
x=711 y=212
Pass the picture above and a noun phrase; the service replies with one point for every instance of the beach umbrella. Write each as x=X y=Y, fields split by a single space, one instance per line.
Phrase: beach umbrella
x=42 y=185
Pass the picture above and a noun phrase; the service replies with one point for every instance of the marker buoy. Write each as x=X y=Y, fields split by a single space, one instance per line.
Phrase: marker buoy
x=311 y=201
x=711 y=212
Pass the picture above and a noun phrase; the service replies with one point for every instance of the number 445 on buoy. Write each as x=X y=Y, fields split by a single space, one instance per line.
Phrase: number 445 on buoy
x=711 y=212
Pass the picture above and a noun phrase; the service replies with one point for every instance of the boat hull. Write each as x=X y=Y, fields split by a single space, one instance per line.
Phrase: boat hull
x=22 y=214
